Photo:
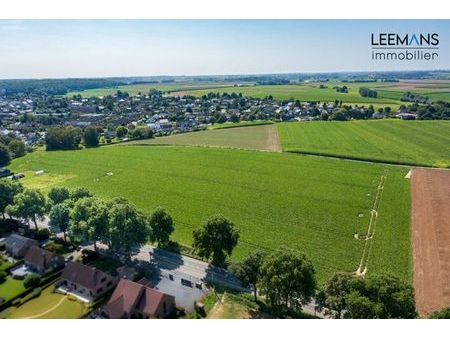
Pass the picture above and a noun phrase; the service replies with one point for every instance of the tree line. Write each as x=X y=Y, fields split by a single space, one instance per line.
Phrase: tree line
x=70 y=138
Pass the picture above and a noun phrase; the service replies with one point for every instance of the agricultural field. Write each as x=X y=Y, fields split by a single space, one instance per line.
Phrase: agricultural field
x=262 y=137
x=135 y=89
x=312 y=204
x=424 y=143
x=303 y=92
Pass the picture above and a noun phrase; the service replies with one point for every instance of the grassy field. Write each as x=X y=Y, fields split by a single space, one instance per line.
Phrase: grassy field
x=306 y=92
x=262 y=137
x=412 y=142
x=134 y=89
x=11 y=288
x=49 y=305
x=311 y=204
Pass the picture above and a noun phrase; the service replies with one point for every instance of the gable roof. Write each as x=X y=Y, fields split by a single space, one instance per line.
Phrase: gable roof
x=84 y=275
x=129 y=296
x=42 y=258
x=17 y=241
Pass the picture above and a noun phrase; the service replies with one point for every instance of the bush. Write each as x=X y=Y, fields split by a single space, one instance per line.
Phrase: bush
x=17 y=302
x=72 y=298
x=55 y=247
x=32 y=281
x=42 y=235
x=88 y=255
x=3 y=275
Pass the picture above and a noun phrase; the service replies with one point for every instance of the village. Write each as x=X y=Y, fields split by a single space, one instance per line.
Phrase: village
x=28 y=116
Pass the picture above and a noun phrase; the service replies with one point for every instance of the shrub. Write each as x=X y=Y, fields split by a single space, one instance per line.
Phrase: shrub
x=17 y=302
x=32 y=281
x=72 y=298
x=42 y=234
x=3 y=275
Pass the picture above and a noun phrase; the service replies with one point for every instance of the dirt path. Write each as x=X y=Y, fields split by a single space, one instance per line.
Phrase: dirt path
x=272 y=138
x=430 y=237
x=362 y=268
x=217 y=310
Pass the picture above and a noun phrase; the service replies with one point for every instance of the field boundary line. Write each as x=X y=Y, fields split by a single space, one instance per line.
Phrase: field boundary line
x=361 y=159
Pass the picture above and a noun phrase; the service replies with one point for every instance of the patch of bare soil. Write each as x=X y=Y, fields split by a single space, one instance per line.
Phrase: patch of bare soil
x=430 y=237
x=272 y=138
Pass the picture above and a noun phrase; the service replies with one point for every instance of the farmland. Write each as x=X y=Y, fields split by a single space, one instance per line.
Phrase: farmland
x=263 y=137
x=409 y=142
x=311 y=204
x=302 y=92
x=134 y=89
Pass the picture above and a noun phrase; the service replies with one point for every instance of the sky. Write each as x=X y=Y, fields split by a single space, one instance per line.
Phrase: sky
x=107 y=48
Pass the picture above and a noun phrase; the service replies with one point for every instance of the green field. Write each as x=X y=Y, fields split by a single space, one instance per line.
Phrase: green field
x=311 y=204
x=303 y=92
x=410 y=142
x=262 y=137
x=135 y=89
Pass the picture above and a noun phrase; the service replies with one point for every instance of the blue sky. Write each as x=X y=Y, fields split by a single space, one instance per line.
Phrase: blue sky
x=91 y=48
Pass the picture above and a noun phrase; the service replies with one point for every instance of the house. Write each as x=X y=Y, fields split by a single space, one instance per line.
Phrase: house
x=134 y=300
x=17 y=246
x=42 y=261
x=86 y=281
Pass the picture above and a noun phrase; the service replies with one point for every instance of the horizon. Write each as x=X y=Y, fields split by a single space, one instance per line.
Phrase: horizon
x=58 y=49
x=223 y=75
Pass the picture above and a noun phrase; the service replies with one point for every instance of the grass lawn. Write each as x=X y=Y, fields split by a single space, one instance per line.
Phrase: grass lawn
x=411 y=142
x=308 y=203
x=11 y=288
x=49 y=305
x=261 y=137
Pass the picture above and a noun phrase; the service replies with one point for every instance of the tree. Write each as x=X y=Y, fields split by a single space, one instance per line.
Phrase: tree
x=287 y=280
x=361 y=307
x=17 y=148
x=249 y=270
x=161 y=227
x=60 y=218
x=29 y=205
x=8 y=190
x=128 y=227
x=32 y=281
x=90 y=220
x=121 y=131
x=379 y=296
x=79 y=193
x=217 y=239
x=441 y=314
x=91 y=137
x=5 y=157
x=58 y=195
x=62 y=138
x=333 y=295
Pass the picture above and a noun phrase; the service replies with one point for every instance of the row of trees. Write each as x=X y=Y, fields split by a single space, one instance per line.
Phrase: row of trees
x=116 y=223
x=366 y=92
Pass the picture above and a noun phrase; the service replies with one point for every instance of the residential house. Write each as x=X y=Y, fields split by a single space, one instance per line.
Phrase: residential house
x=134 y=300
x=17 y=246
x=86 y=281
x=43 y=261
